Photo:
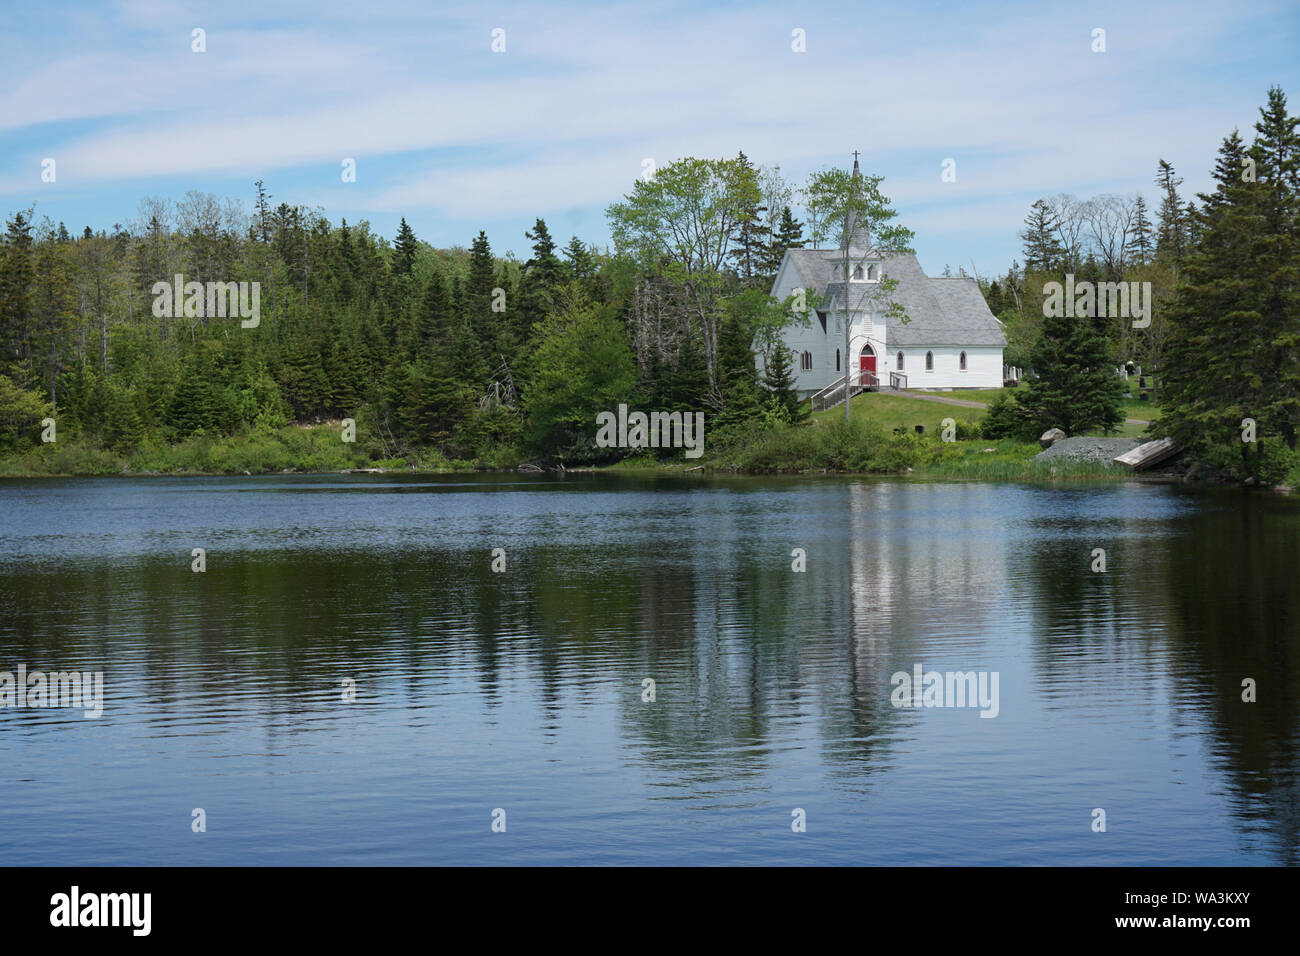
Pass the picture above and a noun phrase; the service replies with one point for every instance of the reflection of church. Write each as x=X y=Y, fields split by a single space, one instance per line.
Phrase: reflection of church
x=918 y=563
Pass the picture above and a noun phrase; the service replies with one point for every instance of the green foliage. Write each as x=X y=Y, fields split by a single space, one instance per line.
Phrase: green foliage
x=1076 y=388
x=779 y=380
x=1005 y=418
x=21 y=413
x=1235 y=321
x=581 y=365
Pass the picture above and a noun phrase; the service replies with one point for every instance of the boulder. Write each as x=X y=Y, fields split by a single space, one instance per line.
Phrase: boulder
x=529 y=468
x=1051 y=437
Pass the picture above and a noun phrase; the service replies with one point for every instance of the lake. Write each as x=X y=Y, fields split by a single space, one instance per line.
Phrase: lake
x=349 y=680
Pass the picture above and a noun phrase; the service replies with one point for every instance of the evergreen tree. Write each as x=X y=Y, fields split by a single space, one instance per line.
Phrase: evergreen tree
x=16 y=271
x=1076 y=388
x=779 y=380
x=1042 y=249
x=789 y=234
x=435 y=314
x=749 y=234
x=1171 y=231
x=580 y=262
x=1235 y=321
x=1139 y=246
x=404 y=249
x=484 y=323
x=544 y=268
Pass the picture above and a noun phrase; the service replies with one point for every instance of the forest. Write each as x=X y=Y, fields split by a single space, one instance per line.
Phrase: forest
x=461 y=358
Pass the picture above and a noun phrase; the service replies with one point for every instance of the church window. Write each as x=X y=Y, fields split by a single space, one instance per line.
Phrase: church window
x=857 y=272
x=929 y=361
x=871 y=273
x=837 y=360
x=805 y=361
x=900 y=361
x=962 y=360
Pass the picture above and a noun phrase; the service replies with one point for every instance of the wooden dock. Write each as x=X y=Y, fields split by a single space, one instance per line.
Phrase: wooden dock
x=1152 y=453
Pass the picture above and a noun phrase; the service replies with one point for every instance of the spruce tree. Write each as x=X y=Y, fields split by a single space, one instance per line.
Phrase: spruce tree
x=16 y=273
x=484 y=323
x=580 y=262
x=1042 y=249
x=1235 y=322
x=1139 y=246
x=749 y=234
x=1171 y=231
x=779 y=380
x=1076 y=388
x=404 y=249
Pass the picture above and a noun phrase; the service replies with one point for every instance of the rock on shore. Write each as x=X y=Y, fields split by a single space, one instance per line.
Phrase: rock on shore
x=1083 y=448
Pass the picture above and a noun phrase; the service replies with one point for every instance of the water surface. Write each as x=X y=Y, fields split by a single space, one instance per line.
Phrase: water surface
x=523 y=690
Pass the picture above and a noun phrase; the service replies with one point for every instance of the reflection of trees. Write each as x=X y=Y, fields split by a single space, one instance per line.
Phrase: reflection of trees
x=1235 y=609
x=698 y=595
x=1200 y=593
x=696 y=592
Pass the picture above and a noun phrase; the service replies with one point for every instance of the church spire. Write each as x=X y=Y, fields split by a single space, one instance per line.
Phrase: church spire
x=856 y=238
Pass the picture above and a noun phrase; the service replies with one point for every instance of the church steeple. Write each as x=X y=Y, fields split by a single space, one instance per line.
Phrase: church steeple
x=856 y=238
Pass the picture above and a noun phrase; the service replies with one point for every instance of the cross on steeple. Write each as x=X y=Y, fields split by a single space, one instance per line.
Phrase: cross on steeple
x=855 y=157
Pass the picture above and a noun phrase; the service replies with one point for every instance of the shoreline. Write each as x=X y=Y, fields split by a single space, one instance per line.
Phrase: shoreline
x=1058 y=472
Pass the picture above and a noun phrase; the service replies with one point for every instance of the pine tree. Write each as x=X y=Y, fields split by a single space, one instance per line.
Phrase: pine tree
x=435 y=314
x=750 y=234
x=52 y=308
x=404 y=249
x=1042 y=249
x=736 y=369
x=484 y=323
x=580 y=262
x=544 y=268
x=1076 y=388
x=1235 y=322
x=1139 y=246
x=1171 y=231
x=16 y=317
x=788 y=235
x=779 y=380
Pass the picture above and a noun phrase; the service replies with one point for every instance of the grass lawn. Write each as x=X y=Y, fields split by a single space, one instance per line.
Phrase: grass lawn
x=1135 y=408
x=890 y=410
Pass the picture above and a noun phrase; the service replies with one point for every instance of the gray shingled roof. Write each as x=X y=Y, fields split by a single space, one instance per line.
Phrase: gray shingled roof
x=941 y=311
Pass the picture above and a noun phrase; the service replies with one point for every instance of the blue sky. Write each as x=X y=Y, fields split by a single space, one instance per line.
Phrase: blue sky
x=458 y=138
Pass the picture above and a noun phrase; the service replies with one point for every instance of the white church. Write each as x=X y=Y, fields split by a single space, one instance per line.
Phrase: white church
x=950 y=341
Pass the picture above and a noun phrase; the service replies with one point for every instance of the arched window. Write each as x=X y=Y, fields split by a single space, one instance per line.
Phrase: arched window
x=929 y=361
x=837 y=360
x=857 y=272
x=962 y=361
x=805 y=362
x=871 y=273
x=900 y=361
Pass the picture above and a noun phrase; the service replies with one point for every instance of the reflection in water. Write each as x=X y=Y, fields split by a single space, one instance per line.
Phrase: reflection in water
x=524 y=689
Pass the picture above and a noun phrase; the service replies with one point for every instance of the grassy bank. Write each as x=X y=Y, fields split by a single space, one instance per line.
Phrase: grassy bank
x=299 y=448
x=880 y=439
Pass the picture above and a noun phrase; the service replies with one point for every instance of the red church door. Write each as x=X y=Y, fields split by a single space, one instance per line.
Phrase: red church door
x=867 y=364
